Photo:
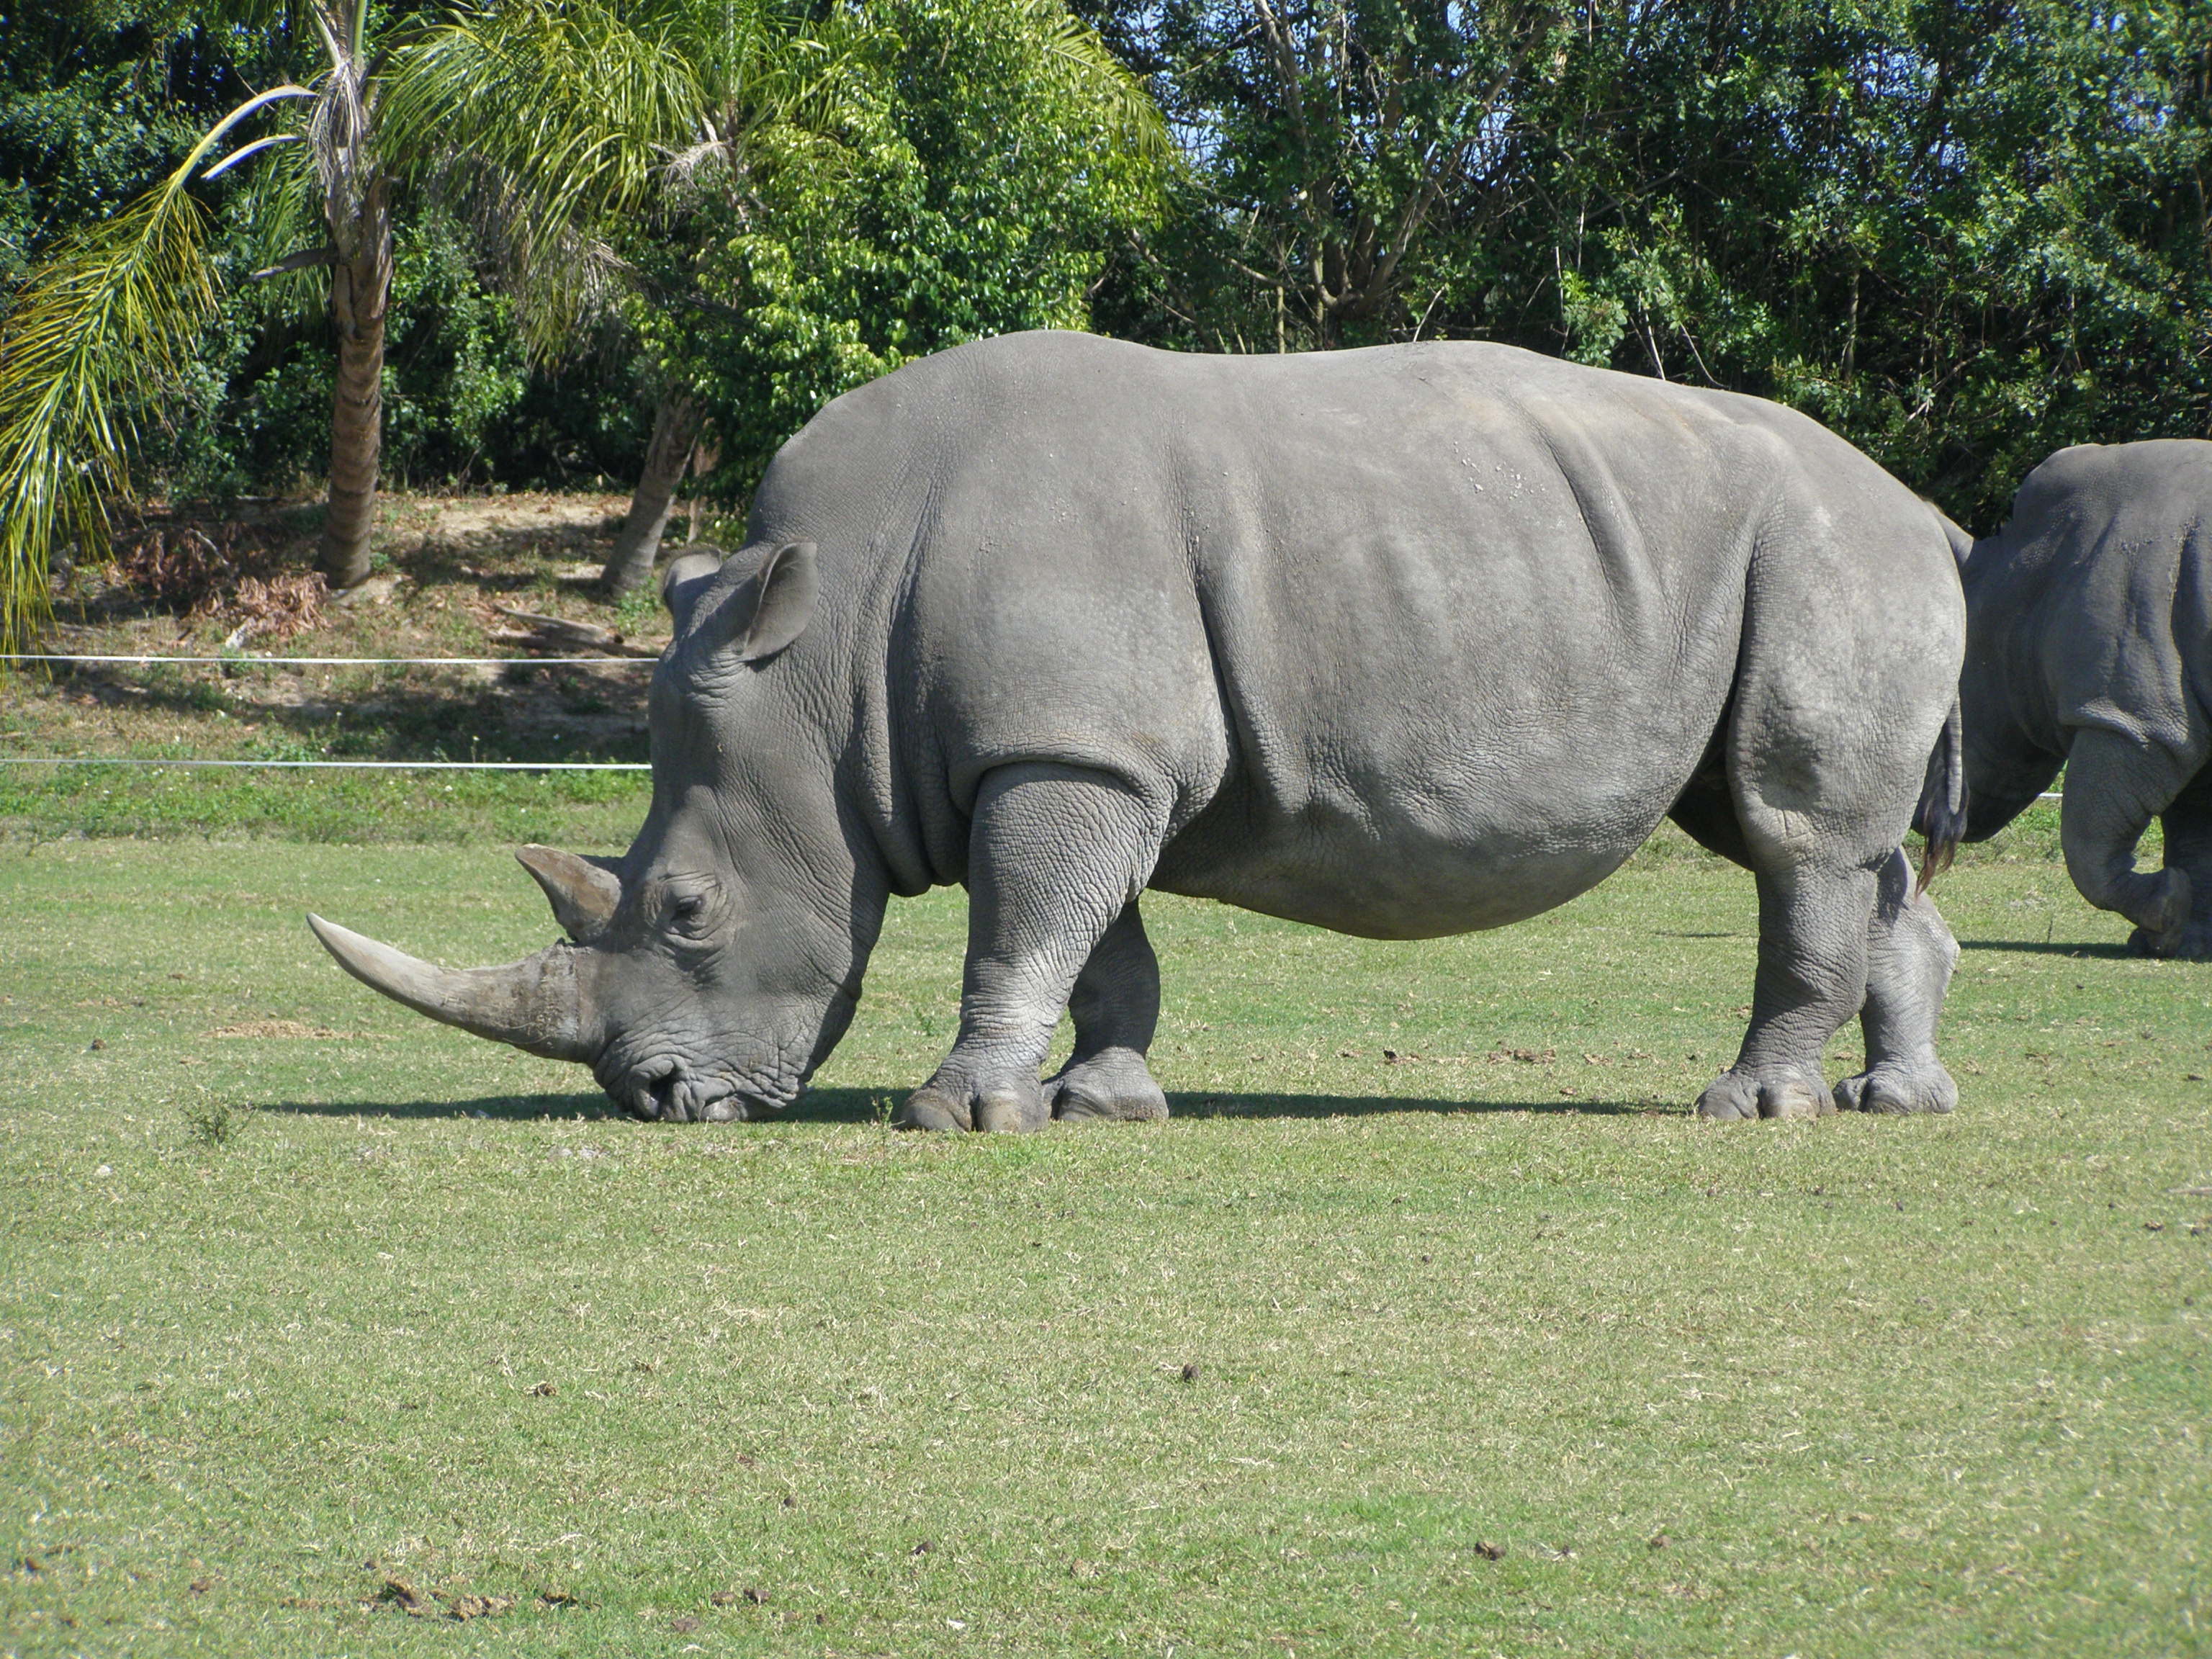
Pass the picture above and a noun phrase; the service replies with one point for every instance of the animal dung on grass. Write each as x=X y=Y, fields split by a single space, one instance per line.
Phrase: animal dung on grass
x=1401 y=642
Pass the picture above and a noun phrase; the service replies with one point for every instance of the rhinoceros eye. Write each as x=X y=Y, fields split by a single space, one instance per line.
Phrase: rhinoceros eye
x=691 y=912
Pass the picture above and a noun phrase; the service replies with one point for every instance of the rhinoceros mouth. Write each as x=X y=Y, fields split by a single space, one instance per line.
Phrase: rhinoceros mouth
x=671 y=1094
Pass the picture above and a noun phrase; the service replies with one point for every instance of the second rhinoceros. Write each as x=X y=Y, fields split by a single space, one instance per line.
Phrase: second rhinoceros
x=2090 y=647
x=1401 y=642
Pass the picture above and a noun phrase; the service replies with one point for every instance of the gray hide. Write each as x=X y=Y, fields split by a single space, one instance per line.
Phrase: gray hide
x=1400 y=643
x=2089 y=645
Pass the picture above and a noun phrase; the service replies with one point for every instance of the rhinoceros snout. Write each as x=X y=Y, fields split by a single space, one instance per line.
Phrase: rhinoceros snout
x=667 y=1091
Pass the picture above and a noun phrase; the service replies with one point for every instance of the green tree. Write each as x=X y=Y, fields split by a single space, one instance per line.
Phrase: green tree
x=988 y=161
x=1965 y=236
x=593 y=130
x=1336 y=145
x=790 y=199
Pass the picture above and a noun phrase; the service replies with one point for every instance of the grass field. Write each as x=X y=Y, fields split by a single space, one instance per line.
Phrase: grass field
x=324 y=1330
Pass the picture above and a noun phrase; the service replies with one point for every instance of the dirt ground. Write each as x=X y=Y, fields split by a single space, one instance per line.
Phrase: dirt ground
x=239 y=585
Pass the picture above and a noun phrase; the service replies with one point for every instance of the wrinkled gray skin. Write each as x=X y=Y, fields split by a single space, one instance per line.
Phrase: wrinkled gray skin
x=1401 y=642
x=2089 y=645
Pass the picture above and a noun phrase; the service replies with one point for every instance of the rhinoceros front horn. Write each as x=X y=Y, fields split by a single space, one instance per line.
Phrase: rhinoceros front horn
x=534 y=1003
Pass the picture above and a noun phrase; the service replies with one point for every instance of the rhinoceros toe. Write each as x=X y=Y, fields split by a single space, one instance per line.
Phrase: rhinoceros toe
x=1007 y=1106
x=2190 y=943
x=932 y=1108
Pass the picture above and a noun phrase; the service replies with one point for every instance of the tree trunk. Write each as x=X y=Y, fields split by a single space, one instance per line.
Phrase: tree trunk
x=675 y=426
x=360 y=287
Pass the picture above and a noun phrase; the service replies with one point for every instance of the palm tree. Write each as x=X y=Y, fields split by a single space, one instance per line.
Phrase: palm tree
x=93 y=344
x=585 y=122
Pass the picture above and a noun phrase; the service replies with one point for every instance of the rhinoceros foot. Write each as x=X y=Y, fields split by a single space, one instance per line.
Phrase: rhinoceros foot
x=1011 y=1104
x=1114 y=1084
x=1736 y=1095
x=1895 y=1087
x=2189 y=944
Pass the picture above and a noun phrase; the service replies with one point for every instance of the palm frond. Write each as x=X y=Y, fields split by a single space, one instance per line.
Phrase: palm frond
x=575 y=105
x=276 y=217
x=555 y=123
x=1073 y=57
x=92 y=341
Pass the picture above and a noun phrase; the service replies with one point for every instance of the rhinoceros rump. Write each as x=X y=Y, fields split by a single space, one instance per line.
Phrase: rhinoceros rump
x=1403 y=642
x=2089 y=645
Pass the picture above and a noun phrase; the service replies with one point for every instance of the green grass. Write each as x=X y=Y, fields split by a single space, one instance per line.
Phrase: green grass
x=43 y=804
x=300 y=1295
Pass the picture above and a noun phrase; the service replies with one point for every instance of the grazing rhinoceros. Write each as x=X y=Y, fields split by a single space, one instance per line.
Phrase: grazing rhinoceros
x=1401 y=642
x=2089 y=645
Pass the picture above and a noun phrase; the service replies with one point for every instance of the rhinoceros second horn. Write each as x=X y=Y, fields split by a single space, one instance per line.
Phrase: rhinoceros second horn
x=534 y=1003
x=583 y=894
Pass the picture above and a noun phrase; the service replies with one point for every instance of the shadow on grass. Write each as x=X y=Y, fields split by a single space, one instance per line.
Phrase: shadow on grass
x=532 y=711
x=2052 y=948
x=1255 y=1106
x=513 y=1108
x=875 y=1105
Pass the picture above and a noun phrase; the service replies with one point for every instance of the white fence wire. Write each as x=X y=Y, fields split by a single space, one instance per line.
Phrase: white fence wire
x=345 y=662
x=369 y=765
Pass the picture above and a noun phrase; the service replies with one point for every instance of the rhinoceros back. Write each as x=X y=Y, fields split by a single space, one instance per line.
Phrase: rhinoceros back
x=2099 y=593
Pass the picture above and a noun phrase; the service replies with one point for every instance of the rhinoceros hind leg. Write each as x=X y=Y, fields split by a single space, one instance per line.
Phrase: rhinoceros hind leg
x=1117 y=1007
x=2188 y=826
x=1738 y=1095
x=2114 y=787
x=1813 y=937
x=1910 y=957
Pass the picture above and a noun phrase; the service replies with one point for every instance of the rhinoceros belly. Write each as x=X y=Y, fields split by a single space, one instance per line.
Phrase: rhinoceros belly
x=1444 y=832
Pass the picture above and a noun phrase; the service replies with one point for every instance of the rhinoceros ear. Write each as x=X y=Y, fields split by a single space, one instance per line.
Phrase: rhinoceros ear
x=689 y=575
x=768 y=610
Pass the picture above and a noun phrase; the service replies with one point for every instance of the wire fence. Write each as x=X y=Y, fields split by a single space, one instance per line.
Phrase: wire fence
x=338 y=765
x=344 y=662
x=370 y=765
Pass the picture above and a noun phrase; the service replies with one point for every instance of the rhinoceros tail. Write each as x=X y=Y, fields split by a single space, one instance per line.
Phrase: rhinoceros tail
x=1941 y=818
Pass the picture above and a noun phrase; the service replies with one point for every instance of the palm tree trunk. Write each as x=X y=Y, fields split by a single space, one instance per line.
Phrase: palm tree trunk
x=674 y=427
x=359 y=290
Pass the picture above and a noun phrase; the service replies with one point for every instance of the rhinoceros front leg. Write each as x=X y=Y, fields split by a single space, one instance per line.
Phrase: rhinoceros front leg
x=2114 y=787
x=1909 y=957
x=1056 y=854
x=1116 y=1007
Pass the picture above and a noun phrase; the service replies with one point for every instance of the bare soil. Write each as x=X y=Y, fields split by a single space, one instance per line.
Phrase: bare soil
x=446 y=566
